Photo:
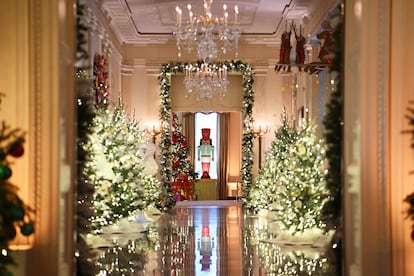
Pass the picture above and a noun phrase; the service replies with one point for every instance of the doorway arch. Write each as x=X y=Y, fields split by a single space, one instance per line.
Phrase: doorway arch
x=164 y=78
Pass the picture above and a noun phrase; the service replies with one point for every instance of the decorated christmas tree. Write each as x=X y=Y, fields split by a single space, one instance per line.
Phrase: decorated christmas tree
x=15 y=215
x=302 y=190
x=182 y=169
x=116 y=167
x=263 y=192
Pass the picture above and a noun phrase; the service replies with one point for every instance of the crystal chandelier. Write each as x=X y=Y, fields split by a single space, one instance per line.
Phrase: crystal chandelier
x=206 y=32
x=207 y=79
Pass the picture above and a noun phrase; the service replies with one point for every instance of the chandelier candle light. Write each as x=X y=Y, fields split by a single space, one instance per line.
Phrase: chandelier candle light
x=208 y=79
x=206 y=34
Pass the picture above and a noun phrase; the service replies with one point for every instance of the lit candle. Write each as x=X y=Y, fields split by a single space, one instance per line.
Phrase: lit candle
x=225 y=14
x=236 y=12
x=177 y=9
x=190 y=13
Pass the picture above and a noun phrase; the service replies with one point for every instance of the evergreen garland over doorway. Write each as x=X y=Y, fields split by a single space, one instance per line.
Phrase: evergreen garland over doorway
x=164 y=78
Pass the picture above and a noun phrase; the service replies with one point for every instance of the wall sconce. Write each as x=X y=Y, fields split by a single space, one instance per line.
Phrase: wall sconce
x=260 y=133
x=154 y=133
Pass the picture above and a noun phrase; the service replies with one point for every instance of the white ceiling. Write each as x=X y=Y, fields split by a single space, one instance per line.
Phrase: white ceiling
x=140 y=21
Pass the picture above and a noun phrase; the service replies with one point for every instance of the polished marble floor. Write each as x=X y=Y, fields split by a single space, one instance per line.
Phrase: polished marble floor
x=207 y=238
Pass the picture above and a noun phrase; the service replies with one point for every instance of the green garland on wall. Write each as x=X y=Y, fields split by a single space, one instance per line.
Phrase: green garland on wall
x=246 y=70
x=333 y=121
x=409 y=199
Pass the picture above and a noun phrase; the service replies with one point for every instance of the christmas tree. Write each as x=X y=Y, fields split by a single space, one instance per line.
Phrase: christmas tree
x=262 y=194
x=302 y=190
x=116 y=167
x=182 y=169
x=15 y=215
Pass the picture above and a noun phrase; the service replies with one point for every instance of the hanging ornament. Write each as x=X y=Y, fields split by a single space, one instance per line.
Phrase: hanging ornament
x=17 y=213
x=27 y=229
x=17 y=150
x=5 y=172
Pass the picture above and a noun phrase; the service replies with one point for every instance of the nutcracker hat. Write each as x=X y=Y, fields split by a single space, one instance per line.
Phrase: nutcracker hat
x=205 y=133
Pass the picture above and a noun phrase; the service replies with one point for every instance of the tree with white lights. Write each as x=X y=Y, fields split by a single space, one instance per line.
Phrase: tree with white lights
x=264 y=190
x=116 y=169
x=302 y=190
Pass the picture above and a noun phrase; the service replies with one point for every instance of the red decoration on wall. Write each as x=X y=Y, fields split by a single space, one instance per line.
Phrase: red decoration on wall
x=100 y=73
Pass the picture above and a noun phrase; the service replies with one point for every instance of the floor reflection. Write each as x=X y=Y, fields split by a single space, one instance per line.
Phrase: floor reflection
x=206 y=240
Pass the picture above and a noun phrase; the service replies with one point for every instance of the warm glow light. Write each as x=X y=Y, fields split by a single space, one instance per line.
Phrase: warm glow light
x=207 y=36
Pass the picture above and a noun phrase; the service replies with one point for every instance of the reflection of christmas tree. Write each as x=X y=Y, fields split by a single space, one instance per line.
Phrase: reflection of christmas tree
x=287 y=261
x=120 y=188
x=14 y=213
x=181 y=163
x=278 y=259
x=128 y=257
x=263 y=192
x=302 y=190
x=176 y=247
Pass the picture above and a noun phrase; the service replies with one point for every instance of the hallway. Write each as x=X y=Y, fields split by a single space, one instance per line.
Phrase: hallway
x=206 y=238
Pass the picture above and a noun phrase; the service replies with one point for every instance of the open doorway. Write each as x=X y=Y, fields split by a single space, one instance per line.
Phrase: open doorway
x=202 y=123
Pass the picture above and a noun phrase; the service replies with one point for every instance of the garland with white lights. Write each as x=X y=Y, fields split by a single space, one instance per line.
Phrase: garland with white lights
x=168 y=200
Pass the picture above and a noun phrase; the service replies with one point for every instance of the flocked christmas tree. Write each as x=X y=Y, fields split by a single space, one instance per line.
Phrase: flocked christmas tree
x=262 y=194
x=15 y=215
x=116 y=169
x=302 y=190
x=182 y=169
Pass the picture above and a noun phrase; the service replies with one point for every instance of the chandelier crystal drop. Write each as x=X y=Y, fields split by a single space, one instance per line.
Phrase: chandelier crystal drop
x=207 y=34
x=207 y=79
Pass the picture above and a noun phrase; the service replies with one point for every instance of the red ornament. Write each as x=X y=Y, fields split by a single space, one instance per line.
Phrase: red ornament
x=17 y=151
